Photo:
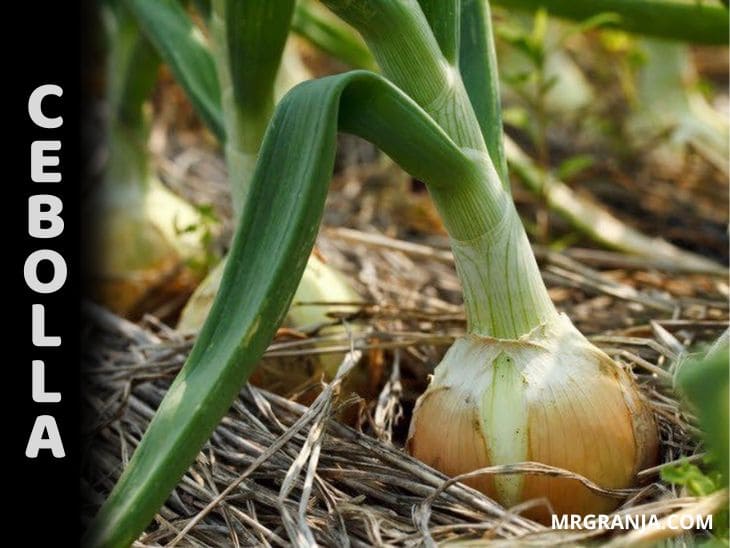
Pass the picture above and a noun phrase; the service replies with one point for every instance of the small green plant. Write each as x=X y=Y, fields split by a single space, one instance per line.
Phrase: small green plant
x=533 y=83
x=705 y=385
x=544 y=77
x=207 y=228
x=549 y=86
x=700 y=484
x=697 y=482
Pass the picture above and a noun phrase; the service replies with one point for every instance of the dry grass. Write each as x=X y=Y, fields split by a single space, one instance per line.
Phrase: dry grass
x=280 y=473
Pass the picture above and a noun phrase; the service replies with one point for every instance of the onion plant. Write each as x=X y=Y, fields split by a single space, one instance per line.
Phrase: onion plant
x=149 y=238
x=234 y=84
x=671 y=112
x=522 y=384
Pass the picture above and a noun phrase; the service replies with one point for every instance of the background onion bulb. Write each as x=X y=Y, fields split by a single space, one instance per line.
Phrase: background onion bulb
x=320 y=284
x=550 y=397
x=148 y=245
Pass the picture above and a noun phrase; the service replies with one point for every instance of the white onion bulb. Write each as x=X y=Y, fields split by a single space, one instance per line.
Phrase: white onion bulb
x=550 y=397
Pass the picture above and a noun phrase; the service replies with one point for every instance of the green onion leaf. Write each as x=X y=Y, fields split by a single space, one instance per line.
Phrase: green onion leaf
x=255 y=35
x=444 y=19
x=330 y=34
x=478 y=66
x=267 y=259
x=704 y=383
x=182 y=46
x=688 y=21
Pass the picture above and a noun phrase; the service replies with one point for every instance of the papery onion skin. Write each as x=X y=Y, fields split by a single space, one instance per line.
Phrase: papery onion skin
x=573 y=408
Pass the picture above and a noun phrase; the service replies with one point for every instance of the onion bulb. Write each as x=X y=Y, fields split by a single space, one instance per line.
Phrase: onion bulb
x=148 y=243
x=550 y=397
x=320 y=284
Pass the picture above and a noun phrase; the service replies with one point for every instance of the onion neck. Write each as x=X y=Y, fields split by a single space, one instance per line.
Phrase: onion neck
x=504 y=294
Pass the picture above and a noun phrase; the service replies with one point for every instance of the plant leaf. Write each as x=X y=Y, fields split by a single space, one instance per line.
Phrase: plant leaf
x=256 y=31
x=266 y=261
x=444 y=19
x=690 y=476
x=409 y=54
x=478 y=66
x=669 y=19
x=182 y=46
x=704 y=383
x=332 y=35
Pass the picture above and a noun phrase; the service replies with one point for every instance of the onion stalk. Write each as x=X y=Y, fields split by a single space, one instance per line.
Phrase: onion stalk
x=523 y=384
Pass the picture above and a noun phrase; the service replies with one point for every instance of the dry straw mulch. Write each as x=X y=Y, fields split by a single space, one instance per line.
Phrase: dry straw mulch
x=280 y=473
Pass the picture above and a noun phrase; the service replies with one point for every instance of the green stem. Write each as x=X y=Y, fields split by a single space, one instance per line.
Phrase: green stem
x=131 y=75
x=242 y=140
x=408 y=53
x=689 y=21
x=248 y=40
x=185 y=51
x=504 y=293
x=127 y=135
x=444 y=18
x=478 y=68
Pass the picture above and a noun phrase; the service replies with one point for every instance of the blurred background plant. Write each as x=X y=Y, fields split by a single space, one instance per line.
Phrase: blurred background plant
x=704 y=381
x=150 y=245
x=143 y=224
